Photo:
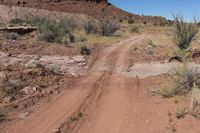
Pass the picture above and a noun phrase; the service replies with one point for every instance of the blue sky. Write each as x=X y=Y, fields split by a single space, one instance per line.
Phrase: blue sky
x=189 y=8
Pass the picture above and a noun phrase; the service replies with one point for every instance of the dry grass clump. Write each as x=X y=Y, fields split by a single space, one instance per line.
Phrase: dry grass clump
x=108 y=27
x=195 y=103
x=181 y=81
x=184 y=34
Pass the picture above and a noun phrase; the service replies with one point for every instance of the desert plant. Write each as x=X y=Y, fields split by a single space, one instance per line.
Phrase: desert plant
x=52 y=31
x=89 y=27
x=82 y=46
x=12 y=36
x=131 y=20
x=108 y=27
x=151 y=43
x=195 y=103
x=182 y=79
x=144 y=22
x=184 y=32
x=134 y=29
x=180 y=112
x=16 y=21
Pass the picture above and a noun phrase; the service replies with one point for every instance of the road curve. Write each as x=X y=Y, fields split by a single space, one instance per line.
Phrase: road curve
x=54 y=113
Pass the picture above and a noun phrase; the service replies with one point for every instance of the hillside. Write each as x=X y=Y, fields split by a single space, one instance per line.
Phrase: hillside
x=96 y=8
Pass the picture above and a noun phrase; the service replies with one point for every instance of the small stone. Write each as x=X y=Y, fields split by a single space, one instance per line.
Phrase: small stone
x=79 y=59
x=33 y=64
x=24 y=114
x=8 y=99
x=57 y=131
x=53 y=68
x=29 y=90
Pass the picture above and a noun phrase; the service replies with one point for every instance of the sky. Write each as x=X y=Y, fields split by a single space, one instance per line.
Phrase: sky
x=188 y=8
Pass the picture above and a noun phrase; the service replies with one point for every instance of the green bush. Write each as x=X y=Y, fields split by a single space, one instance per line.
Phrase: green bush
x=12 y=36
x=82 y=46
x=89 y=27
x=182 y=79
x=131 y=20
x=184 y=32
x=52 y=31
x=108 y=27
x=16 y=21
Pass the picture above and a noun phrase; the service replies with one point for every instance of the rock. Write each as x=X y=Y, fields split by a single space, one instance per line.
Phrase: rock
x=29 y=90
x=12 y=85
x=79 y=59
x=53 y=68
x=8 y=99
x=57 y=131
x=24 y=114
x=2 y=75
x=33 y=64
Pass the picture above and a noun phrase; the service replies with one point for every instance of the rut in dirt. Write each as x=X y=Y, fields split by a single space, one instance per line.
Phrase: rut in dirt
x=53 y=114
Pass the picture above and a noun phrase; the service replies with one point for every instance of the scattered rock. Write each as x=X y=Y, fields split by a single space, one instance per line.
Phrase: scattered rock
x=53 y=68
x=24 y=114
x=29 y=90
x=11 y=86
x=33 y=64
x=79 y=59
x=8 y=99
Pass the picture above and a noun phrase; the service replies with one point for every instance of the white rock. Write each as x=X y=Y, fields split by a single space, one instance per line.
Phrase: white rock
x=24 y=114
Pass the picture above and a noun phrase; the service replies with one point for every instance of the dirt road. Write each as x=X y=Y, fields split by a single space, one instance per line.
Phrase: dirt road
x=50 y=116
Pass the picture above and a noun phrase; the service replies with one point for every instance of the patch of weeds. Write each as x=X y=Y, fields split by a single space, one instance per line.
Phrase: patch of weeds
x=89 y=27
x=134 y=29
x=12 y=36
x=53 y=31
x=131 y=20
x=151 y=43
x=82 y=48
x=108 y=27
x=76 y=116
x=180 y=112
x=195 y=103
x=180 y=82
x=184 y=34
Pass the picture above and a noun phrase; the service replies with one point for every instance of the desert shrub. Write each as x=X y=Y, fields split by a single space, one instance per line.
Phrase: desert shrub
x=134 y=29
x=181 y=81
x=121 y=20
x=52 y=31
x=89 y=27
x=131 y=20
x=195 y=103
x=184 y=32
x=198 y=24
x=16 y=21
x=12 y=87
x=12 y=36
x=144 y=22
x=82 y=46
x=108 y=27
x=151 y=43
